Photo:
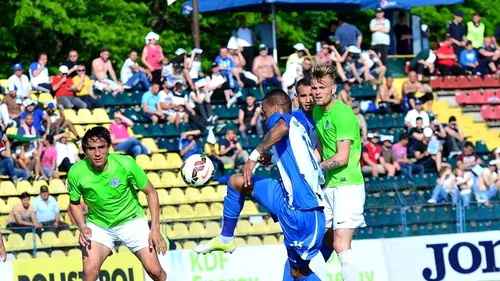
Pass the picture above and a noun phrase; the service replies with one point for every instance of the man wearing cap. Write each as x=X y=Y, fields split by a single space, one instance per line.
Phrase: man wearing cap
x=447 y=58
x=412 y=115
x=390 y=163
x=132 y=75
x=19 y=82
x=65 y=90
x=457 y=32
x=380 y=28
x=475 y=31
x=47 y=211
x=295 y=60
x=354 y=66
x=412 y=87
x=104 y=74
x=266 y=69
x=347 y=35
x=39 y=74
x=363 y=127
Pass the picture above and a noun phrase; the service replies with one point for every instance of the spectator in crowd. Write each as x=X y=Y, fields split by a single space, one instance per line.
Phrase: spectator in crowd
x=22 y=217
x=489 y=184
x=345 y=95
x=48 y=158
x=438 y=131
x=67 y=154
x=445 y=185
x=424 y=62
x=172 y=108
x=19 y=83
x=104 y=74
x=266 y=69
x=387 y=97
x=14 y=107
x=245 y=39
x=226 y=66
x=187 y=144
x=121 y=139
x=178 y=67
x=400 y=151
x=7 y=167
x=372 y=160
x=327 y=36
x=467 y=159
x=489 y=54
x=363 y=127
x=180 y=99
x=134 y=76
x=38 y=117
x=469 y=60
x=65 y=90
x=374 y=66
x=404 y=36
x=28 y=128
x=235 y=53
x=212 y=150
x=416 y=134
x=264 y=32
x=295 y=60
x=412 y=115
x=347 y=35
x=457 y=32
x=353 y=65
x=380 y=28
x=47 y=211
x=193 y=67
x=427 y=155
x=454 y=137
x=231 y=150
x=412 y=87
x=390 y=163
x=55 y=123
x=72 y=63
x=326 y=55
x=249 y=118
x=151 y=104
x=39 y=74
x=306 y=70
x=84 y=90
x=152 y=56
x=475 y=31
x=167 y=73
x=199 y=100
x=220 y=86
x=447 y=58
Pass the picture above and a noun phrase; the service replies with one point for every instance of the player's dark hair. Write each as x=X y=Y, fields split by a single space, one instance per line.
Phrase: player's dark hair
x=96 y=133
x=280 y=98
x=302 y=82
x=24 y=195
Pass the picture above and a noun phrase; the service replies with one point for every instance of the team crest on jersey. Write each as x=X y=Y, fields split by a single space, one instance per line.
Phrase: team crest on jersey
x=327 y=125
x=115 y=182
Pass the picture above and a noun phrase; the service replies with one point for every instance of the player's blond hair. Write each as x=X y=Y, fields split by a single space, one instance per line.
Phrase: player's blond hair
x=321 y=70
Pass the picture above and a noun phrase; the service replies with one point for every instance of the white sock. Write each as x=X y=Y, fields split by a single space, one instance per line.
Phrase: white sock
x=225 y=239
x=349 y=267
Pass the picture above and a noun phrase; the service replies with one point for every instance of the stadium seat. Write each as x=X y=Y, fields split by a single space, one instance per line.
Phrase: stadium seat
x=70 y=115
x=24 y=256
x=243 y=228
x=57 y=186
x=481 y=147
x=33 y=240
x=11 y=202
x=192 y=195
x=100 y=116
x=3 y=207
x=212 y=229
x=63 y=202
x=152 y=146
x=67 y=239
x=158 y=162
x=462 y=98
x=16 y=243
x=75 y=253
x=163 y=196
x=144 y=162
x=177 y=196
x=476 y=97
x=170 y=213
x=270 y=240
x=7 y=188
x=260 y=228
x=174 y=161
x=208 y=194
x=168 y=179
x=196 y=230
x=254 y=241
x=179 y=182
x=155 y=180
x=142 y=199
x=249 y=209
x=216 y=209
x=240 y=242
x=186 y=212
x=188 y=245
x=57 y=253
x=179 y=230
x=42 y=255
x=202 y=211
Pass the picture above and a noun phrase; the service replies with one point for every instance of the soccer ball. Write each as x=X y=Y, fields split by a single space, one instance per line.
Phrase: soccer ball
x=197 y=170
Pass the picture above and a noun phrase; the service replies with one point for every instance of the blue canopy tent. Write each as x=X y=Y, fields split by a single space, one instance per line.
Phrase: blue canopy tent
x=212 y=6
x=406 y=4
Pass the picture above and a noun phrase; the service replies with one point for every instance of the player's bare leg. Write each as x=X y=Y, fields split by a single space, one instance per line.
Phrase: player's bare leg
x=94 y=256
x=150 y=262
x=342 y=239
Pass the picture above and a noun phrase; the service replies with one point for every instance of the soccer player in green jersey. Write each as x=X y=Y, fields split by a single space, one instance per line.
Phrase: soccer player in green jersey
x=340 y=149
x=107 y=184
x=3 y=252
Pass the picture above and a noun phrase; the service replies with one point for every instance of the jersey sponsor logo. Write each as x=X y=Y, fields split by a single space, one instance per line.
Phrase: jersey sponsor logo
x=114 y=183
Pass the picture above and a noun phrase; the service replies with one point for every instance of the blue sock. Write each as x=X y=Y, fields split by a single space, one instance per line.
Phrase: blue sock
x=233 y=204
x=326 y=252
x=287 y=275
x=309 y=277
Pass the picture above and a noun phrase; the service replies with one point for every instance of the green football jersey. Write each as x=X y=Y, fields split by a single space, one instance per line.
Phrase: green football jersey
x=336 y=124
x=110 y=195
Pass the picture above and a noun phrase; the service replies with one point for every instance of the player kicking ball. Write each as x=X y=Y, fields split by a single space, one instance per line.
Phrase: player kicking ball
x=107 y=184
x=340 y=147
x=297 y=206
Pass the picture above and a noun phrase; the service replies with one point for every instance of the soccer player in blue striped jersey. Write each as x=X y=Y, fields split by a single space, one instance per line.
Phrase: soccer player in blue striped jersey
x=298 y=206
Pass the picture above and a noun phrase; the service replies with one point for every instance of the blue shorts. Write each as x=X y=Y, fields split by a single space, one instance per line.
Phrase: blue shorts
x=303 y=229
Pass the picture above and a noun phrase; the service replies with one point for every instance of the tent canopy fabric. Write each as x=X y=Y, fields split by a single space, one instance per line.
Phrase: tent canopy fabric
x=406 y=4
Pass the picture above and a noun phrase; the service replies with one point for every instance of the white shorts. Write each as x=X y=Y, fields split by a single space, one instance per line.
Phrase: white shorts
x=100 y=85
x=344 y=206
x=133 y=234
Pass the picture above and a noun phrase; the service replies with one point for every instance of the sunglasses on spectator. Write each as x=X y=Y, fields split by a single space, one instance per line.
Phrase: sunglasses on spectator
x=81 y=70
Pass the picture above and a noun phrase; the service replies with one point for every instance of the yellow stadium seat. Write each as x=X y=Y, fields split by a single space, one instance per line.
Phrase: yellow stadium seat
x=174 y=160
x=100 y=116
x=4 y=83
x=80 y=130
x=3 y=221
x=208 y=194
x=15 y=243
x=239 y=242
x=12 y=201
x=25 y=186
x=155 y=180
x=11 y=131
x=269 y=239
x=243 y=228
x=33 y=240
x=168 y=179
x=179 y=230
x=142 y=199
x=281 y=238
x=170 y=213
x=254 y=241
x=186 y=212
x=152 y=146
x=158 y=162
x=57 y=186
x=4 y=209
x=216 y=209
x=163 y=196
x=57 y=253
x=249 y=209
x=39 y=183
x=274 y=227
x=42 y=255
x=196 y=230
x=178 y=245
x=7 y=188
x=144 y=162
x=67 y=239
x=177 y=196
x=85 y=116
x=179 y=182
x=188 y=245
x=260 y=228
x=212 y=229
x=222 y=191
x=24 y=256
x=75 y=253
x=202 y=211
x=70 y=115
x=50 y=239
x=63 y=202
x=45 y=98
x=192 y=195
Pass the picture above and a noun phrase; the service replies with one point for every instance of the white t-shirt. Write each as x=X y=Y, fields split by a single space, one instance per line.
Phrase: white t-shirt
x=369 y=62
x=168 y=98
x=379 y=37
x=65 y=151
x=412 y=116
x=21 y=85
x=126 y=72
x=245 y=38
x=195 y=69
x=43 y=76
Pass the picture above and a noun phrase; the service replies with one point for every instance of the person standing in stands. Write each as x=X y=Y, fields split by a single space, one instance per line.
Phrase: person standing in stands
x=475 y=31
x=457 y=32
x=403 y=36
x=381 y=40
x=152 y=56
x=245 y=39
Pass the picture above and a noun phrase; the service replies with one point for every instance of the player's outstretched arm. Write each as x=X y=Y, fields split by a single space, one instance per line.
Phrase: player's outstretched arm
x=340 y=159
x=85 y=232
x=155 y=237
x=3 y=252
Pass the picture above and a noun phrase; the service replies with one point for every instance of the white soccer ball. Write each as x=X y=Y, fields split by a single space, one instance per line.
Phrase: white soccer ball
x=197 y=170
